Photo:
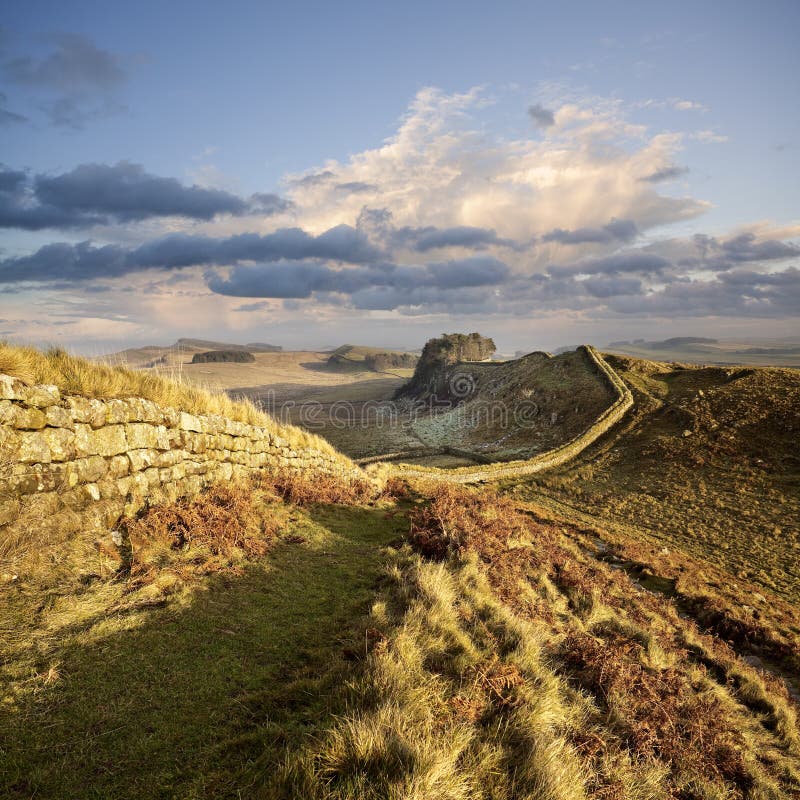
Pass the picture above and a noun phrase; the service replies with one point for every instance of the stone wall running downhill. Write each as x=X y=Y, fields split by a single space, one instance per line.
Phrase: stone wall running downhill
x=95 y=460
x=623 y=400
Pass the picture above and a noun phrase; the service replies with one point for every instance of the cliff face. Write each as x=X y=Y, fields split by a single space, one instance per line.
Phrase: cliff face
x=432 y=376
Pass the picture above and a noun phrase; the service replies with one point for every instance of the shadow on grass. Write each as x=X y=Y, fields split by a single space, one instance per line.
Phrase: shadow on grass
x=201 y=700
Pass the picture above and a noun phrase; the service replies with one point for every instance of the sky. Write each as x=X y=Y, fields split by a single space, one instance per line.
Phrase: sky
x=309 y=174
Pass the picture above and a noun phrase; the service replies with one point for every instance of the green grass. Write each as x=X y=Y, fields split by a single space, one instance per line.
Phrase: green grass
x=179 y=701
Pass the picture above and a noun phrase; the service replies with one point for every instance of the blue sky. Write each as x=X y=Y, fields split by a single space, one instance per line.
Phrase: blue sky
x=471 y=164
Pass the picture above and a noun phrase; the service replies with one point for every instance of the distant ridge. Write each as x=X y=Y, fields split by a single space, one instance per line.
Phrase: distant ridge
x=207 y=344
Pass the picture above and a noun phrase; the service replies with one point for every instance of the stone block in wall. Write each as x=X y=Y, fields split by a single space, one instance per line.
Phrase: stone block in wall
x=119 y=466
x=140 y=435
x=142 y=459
x=168 y=458
x=163 y=440
x=135 y=484
x=21 y=417
x=225 y=471
x=12 y=388
x=59 y=417
x=118 y=411
x=42 y=396
x=107 y=441
x=33 y=448
x=189 y=422
x=140 y=410
x=108 y=490
x=88 y=411
x=61 y=442
x=195 y=442
x=25 y=479
x=86 y=470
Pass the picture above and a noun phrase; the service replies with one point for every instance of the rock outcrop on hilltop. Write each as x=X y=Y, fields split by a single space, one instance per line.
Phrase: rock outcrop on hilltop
x=432 y=375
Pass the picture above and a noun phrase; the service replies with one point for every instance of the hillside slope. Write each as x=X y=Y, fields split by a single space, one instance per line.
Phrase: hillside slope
x=707 y=460
x=515 y=409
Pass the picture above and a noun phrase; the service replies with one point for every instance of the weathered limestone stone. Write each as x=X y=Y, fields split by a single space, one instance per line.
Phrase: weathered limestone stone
x=142 y=459
x=150 y=412
x=132 y=485
x=12 y=388
x=189 y=422
x=107 y=441
x=33 y=448
x=21 y=417
x=117 y=411
x=43 y=396
x=86 y=470
x=59 y=417
x=169 y=458
x=162 y=438
x=61 y=442
x=140 y=434
x=87 y=410
x=119 y=466
x=108 y=490
x=26 y=479
x=225 y=471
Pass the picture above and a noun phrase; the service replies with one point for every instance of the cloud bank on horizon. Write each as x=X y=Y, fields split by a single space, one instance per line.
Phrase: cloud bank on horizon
x=585 y=214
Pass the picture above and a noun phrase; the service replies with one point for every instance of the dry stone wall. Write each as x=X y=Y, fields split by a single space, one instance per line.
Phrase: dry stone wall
x=103 y=458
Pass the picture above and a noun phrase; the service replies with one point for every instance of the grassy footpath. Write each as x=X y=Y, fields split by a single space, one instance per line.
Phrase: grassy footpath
x=106 y=696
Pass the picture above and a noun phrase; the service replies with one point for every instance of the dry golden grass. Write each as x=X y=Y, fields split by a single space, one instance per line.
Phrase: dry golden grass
x=75 y=375
x=512 y=668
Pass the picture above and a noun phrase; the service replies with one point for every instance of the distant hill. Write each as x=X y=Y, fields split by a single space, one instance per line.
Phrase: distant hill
x=705 y=350
x=350 y=357
x=207 y=344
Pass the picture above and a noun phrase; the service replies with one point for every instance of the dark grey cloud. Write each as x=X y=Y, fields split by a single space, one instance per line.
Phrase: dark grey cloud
x=315 y=179
x=622 y=230
x=85 y=261
x=741 y=293
x=267 y=203
x=613 y=286
x=355 y=187
x=341 y=243
x=94 y=194
x=261 y=305
x=746 y=247
x=75 y=63
x=11 y=180
x=665 y=174
x=429 y=238
x=128 y=193
x=541 y=116
x=725 y=254
x=631 y=261
x=9 y=117
x=304 y=279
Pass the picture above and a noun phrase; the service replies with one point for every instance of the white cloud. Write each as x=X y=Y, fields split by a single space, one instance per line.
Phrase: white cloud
x=442 y=169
